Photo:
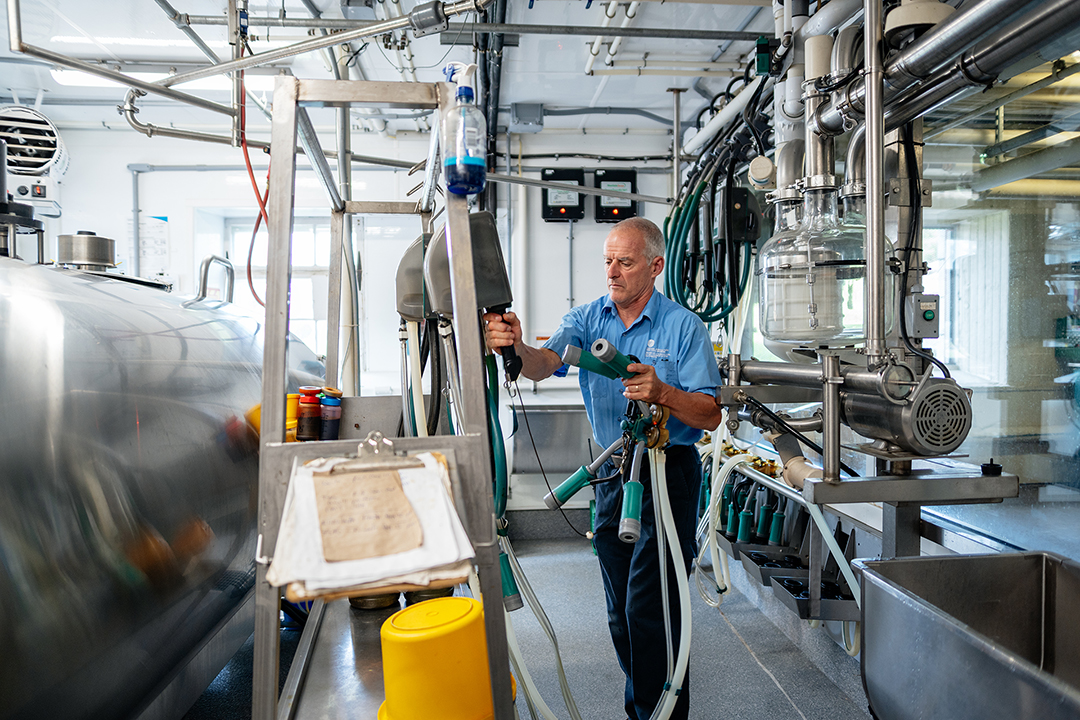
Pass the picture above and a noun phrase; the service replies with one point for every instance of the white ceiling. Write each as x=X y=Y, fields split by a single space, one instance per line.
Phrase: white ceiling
x=543 y=68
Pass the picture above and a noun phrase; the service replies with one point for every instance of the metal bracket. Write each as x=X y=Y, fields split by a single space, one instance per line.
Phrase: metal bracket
x=900 y=192
x=428 y=19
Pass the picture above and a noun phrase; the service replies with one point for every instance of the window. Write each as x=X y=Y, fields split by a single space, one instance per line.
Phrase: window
x=310 y=275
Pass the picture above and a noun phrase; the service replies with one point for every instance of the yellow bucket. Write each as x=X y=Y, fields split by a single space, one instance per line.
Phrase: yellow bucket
x=435 y=662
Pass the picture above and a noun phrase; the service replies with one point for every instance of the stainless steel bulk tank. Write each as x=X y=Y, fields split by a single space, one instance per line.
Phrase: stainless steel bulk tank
x=128 y=479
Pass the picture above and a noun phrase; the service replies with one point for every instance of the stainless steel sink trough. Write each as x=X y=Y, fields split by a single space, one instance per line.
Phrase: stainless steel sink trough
x=976 y=636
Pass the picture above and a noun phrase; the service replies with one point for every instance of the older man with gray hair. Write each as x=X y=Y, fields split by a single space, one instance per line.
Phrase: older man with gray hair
x=677 y=369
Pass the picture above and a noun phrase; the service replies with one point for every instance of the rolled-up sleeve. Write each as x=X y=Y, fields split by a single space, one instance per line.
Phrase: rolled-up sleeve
x=571 y=332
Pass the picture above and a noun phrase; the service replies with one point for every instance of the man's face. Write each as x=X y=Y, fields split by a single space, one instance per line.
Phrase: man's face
x=630 y=274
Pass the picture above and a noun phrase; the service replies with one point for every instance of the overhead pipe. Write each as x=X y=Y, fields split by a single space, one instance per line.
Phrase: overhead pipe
x=1045 y=24
x=318 y=43
x=1027 y=166
x=1059 y=72
x=594 y=49
x=630 y=14
x=18 y=46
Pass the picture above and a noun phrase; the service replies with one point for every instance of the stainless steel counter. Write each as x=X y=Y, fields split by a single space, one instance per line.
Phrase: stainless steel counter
x=344 y=680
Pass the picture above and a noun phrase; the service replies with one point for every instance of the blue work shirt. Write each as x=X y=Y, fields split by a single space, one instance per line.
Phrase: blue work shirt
x=666 y=335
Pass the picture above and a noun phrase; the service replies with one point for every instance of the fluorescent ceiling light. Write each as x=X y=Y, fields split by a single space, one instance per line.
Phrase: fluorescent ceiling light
x=132 y=41
x=76 y=78
x=168 y=42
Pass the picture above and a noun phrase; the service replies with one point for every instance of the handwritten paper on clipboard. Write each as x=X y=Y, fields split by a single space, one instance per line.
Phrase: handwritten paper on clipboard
x=365 y=515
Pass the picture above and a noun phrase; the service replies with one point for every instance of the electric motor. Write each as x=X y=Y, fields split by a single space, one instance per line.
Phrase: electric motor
x=935 y=420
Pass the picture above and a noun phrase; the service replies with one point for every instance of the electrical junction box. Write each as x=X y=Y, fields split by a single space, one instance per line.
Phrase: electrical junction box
x=358 y=9
x=611 y=209
x=526 y=118
x=922 y=315
x=562 y=205
x=745 y=215
x=41 y=192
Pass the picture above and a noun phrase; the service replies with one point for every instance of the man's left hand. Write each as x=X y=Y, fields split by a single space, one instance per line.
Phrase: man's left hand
x=645 y=385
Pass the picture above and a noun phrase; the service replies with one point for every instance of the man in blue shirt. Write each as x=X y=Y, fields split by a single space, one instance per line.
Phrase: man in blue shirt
x=678 y=370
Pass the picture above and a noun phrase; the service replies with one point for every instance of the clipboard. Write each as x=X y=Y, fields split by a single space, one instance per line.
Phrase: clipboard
x=377 y=453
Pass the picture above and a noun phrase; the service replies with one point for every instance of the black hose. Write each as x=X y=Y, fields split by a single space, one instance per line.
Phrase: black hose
x=437 y=378
x=802 y=438
x=909 y=248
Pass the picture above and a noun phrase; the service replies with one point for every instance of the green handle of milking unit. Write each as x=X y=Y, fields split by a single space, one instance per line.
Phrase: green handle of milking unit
x=764 y=521
x=566 y=490
x=511 y=594
x=606 y=353
x=630 y=523
x=498 y=446
x=587 y=361
x=725 y=507
x=776 y=532
x=746 y=524
x=732 y=525
x=631 y=500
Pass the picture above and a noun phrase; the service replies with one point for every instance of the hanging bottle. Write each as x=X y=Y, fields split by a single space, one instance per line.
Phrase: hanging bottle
x=464 y=136
x=812 y=281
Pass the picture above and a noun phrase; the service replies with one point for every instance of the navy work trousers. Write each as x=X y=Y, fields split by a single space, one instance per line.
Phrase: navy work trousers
x=631 y=574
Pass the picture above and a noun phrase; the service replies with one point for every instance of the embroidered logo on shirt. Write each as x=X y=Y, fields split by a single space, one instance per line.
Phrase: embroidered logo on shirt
x=655 y=353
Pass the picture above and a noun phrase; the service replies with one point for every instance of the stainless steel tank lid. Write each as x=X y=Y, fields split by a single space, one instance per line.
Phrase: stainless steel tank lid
x=85 y=248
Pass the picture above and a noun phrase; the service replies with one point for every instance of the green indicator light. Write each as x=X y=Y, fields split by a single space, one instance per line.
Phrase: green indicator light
x=928 y=315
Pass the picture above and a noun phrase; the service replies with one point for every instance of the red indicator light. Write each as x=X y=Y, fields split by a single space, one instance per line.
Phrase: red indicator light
x=562 y=210
x=615 y=211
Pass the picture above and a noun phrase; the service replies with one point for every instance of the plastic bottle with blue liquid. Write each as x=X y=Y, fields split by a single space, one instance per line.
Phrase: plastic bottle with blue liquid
x=464 y=136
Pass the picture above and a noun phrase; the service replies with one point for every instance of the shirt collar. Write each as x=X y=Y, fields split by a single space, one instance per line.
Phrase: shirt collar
x=651 y=308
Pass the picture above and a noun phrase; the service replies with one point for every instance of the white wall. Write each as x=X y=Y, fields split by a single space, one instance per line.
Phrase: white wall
x=96 y=192
x=96 y=195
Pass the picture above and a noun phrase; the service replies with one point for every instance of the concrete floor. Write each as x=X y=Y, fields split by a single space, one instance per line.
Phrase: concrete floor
x=745 y=662
x=742 y=664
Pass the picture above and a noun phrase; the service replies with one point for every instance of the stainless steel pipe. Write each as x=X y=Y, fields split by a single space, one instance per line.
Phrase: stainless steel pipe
x=893 y=381
x=874 y=74
x=830 y=425
x=947 y=41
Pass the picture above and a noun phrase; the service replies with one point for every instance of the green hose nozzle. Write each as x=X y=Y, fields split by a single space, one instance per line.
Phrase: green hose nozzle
x=566 y=490
x=746 y=524
x=630 y=524
x=511 y=595
x=606 y=353
x=587 y=361
x=764 y=520
x=776 y=532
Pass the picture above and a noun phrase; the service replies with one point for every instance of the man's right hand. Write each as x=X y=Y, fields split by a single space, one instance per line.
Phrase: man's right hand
x=502 y=330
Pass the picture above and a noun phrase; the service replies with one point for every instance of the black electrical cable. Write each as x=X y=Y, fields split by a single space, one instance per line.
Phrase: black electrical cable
x=532 y=442
x=750 y=113
x=822 y=86
x=437 y=378
x=802 y=438
x=909 y=248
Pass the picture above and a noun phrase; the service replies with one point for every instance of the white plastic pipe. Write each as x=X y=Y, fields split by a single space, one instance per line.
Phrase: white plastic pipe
x=830 y=17
x=417 y=384
x=518 y=659
x=720 y=477
x=838 y=554
x=659 y=473
x=631 y=13
x=728 y=113
x=594 y=50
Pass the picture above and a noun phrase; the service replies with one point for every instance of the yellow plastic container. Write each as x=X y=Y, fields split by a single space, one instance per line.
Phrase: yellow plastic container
x=435 y=662
x=292 y=403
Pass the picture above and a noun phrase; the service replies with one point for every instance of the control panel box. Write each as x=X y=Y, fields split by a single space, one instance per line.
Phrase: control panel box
x=561 y=205
x=922 y=315
x=614 y=209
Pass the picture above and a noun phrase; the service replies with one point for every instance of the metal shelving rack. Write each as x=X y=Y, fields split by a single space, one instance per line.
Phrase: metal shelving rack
x=473 y=492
